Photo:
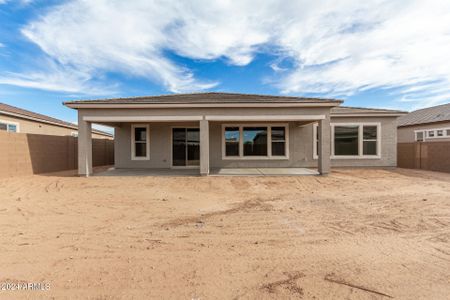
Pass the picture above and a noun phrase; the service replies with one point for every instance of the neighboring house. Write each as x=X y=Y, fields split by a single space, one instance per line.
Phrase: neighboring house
x=224 y=130
x=14 y=119
x=429 y=124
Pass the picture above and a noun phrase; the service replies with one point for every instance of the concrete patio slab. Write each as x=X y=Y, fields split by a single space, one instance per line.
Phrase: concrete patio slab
x=214 y=172
x=149 y=172
x=263 y=172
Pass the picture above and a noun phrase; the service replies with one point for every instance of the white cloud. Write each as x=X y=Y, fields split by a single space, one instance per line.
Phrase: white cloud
x=53 y=77
x=337 y=48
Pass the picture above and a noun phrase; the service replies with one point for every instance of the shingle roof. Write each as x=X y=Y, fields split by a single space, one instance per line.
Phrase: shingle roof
x=206 y=98
x=26 y=114
x=344 y=110
x=433 y=114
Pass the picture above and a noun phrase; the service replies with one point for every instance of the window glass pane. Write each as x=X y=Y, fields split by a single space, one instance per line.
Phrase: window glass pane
x=179 y=146
x=278 y=134
x=232 y=141
x=448 y=132
x=370 y=148
x=255 y=141
x=346 y=140
x=193 y=147
x=12 y=128
x=140 y=134
x=278 y=148
x=317 y=140
x=141 y=149
x=419 y=136
x=370 y=132
x=3 y=126
x=431 y=133
x=440 y=133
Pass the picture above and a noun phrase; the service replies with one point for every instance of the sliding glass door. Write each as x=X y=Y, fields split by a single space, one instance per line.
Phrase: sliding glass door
x=185 y=147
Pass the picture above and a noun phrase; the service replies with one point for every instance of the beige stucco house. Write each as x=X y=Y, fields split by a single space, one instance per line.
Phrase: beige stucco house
x=14 y=119
x=224 y=130
x=430 y=124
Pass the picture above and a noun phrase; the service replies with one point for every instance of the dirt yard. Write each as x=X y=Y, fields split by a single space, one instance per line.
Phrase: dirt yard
x=356 y=234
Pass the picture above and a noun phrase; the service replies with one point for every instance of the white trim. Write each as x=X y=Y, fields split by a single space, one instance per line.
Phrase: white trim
x=147 y=142
x=141 y=118
x=269 y=142
x=266 y=118
x=206 y=105
x=360 y=141
x=426 y=135
x=11 y=123
x=171 y=149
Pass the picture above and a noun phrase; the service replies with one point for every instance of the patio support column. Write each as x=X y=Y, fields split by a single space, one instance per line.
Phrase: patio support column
x=324 y=129
x=204 y=147
x=84 y=147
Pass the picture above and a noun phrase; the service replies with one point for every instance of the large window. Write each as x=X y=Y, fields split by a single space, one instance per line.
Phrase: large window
x=255 y=141
x=355 y=140
x=139 y=142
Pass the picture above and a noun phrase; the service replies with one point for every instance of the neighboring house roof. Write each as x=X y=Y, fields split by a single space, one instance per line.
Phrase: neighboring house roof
x=29 y=115
x=440 y=113
x=207 y=98
x=344 y=111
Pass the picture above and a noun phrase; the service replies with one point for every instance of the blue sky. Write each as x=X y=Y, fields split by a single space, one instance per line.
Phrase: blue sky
x=391 y=54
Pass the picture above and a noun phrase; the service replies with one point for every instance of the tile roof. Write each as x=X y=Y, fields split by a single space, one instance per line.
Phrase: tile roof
x=207 y=98
x=433 y=114
x=26 y=114
x=344 y=110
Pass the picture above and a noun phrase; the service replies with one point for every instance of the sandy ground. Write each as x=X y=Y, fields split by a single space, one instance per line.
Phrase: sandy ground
x=356 y=234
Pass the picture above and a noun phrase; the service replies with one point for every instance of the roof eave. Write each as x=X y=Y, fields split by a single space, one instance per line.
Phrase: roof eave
x=77 y=105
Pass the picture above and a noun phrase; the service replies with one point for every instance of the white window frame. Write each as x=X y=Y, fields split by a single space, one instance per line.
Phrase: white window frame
x=133 y=142
x=269 y=142
x=11 y=123
x=426 y=135
x=361 y=140
x=423 y=135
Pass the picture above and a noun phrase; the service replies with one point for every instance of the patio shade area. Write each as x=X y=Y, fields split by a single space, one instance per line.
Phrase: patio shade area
x=214 y=172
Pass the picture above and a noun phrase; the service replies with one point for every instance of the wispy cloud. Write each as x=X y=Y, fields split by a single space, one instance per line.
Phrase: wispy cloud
x=336 y=48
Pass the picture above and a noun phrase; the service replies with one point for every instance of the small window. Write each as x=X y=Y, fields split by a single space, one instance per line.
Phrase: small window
x=448 y=132
x=346 y=140
x=369 y=140
x=419 y=136
x=255 y=141
x=3 y=126
x=140 y=142
x=232 y=137
x=12 y=128
x=431 y=133
x=278 y=141
x=440 y=133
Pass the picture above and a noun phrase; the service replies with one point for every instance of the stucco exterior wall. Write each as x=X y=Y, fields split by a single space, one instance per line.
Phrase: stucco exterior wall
x=388 y=143
x=406 y=134
x=300 y=146
x=34 y=127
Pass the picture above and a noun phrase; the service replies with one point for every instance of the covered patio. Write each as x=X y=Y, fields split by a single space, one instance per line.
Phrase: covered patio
x=204 y=167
